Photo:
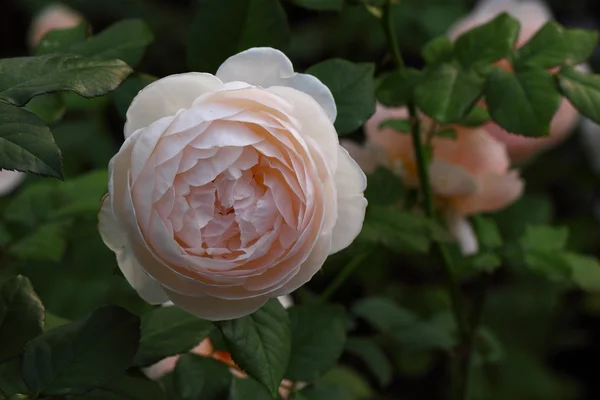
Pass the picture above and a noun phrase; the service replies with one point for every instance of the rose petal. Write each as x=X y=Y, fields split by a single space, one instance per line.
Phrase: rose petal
x=463 y=231
x=166 y=96
x=451 y=180
x=215 y=309
x=266 y=67
x=115 y=239
x=350 y=183
x=9 y=180
x=496 y=192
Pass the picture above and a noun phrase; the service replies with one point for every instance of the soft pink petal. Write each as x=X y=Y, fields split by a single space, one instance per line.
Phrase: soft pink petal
x=266 y=67
x=166 y=96
x=496 y=192
x=350 y=183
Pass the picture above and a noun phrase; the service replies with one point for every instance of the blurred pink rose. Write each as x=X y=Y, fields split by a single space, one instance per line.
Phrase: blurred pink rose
x=9 y=180
x=55 y=16
x=206 y=349
x=470 y=174
x=532 y=14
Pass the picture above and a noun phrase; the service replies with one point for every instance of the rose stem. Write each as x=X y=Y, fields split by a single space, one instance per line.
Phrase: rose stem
x=461 y=360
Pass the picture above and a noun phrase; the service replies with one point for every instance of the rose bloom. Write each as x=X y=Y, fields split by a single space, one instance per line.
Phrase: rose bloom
x=230 y=189
x=9 y=180
x=532 y=15
x=469 y=175
x=206 y=349
x=55 y=16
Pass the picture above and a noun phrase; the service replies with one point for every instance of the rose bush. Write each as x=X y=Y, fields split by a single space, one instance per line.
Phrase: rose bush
x=470 y=174
x=230 y=189
x=532 y=14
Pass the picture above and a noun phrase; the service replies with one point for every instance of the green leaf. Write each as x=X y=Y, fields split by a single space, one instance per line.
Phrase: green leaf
x=476 y=117
x=50 y=108
x=167 y=331
x=438 y=50
x=199 y=377
x=318 y=338
x=373 y=356
x=400 y=125
x=404 y=326
x=248 y=389
x=320 y=5
x=447 y=94
x=383 y=187
x=554 y=45
x=60 y=40
x=126 y=387
x=46 y=243
x=396 y=229
x=26 y=143
x=11 y=381
x=23 y=78
x=488 y=43
x=487 y=262
x=241 y=24
x=125 y=40
x=353 y=89
x=544 y=238
x=487 y=231
x=260 y=343
x=396 y=89
x=524 y=102
x=585 y=271
x=582 y=90
x=125 y=94
x=5 y=236
x=549 y=264
x=21 y=316
x=383 y=314
x=82 y=354
x=341 y=383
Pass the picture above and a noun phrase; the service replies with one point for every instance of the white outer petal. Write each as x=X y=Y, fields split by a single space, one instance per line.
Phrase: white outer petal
x=313 y=123
x=350 y=183
x=214 y=309
x=462 y=230
x=266 y=67
x=116 y=240
x=9 y=180
x=166 y=96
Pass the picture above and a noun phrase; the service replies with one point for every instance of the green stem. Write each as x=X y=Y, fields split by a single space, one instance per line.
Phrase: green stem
x=342 y=276
x=390 y=31
x=461 y=361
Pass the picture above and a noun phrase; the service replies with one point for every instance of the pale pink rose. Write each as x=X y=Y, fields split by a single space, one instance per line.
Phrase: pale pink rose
x=470 y=174
x=9 y=180
x=533 y=15
x=206 y=349
x=230 y=189
x=55 y=16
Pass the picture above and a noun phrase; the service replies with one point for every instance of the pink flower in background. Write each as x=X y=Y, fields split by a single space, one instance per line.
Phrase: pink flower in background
x=9 y=180
x=470 y=174
x=532 y=14
x=55 y=16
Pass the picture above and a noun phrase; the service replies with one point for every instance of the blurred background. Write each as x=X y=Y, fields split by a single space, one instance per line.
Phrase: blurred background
x=546 y=337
